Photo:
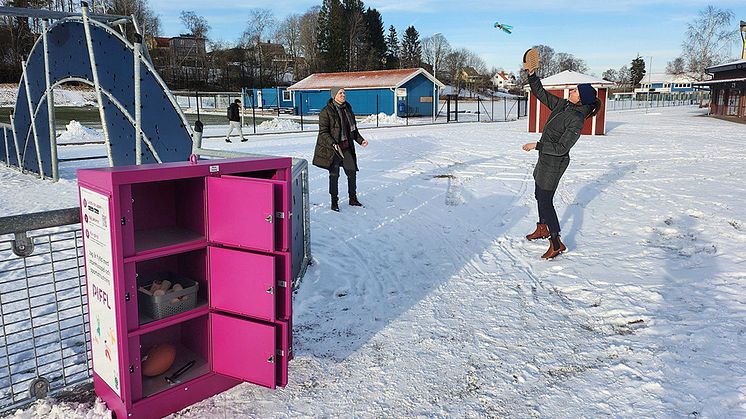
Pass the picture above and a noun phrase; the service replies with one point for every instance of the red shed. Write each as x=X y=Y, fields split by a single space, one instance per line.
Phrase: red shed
x=560 y=85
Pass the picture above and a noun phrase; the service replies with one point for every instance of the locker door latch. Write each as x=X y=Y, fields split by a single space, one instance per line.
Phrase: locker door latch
x=270 y=290
x=268 y=219
x=271 y=359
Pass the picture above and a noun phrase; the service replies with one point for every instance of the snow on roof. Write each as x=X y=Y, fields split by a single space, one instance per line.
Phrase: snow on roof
x=735 y=65
x=361 y=79
x=571 y=78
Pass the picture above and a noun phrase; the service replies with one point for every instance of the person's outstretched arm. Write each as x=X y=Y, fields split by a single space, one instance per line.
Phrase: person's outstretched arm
x=550 y=100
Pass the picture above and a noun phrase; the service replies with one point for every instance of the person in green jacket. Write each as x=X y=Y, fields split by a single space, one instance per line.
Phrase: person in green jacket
x=560 y=133
x=335 y=145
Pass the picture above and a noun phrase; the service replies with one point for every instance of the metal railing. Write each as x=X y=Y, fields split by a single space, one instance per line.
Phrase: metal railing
x=44 y=349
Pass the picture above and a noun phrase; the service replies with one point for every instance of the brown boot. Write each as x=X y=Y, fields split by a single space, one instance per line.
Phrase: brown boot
x=552 y=252
x=541 y=232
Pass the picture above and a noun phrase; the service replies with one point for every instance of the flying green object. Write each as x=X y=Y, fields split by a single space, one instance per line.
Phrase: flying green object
x=505 y=28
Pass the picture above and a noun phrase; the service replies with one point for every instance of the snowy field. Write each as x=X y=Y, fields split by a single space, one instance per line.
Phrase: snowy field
x=429 y=302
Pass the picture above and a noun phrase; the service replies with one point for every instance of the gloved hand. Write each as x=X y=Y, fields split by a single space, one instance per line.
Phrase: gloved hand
x=531 y=60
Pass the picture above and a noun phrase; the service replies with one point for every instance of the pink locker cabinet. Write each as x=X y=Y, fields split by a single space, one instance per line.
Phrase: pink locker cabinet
x=220 y=230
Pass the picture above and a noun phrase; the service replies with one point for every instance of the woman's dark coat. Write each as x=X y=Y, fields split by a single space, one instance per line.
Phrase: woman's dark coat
x=330 y=133
x=561 y=132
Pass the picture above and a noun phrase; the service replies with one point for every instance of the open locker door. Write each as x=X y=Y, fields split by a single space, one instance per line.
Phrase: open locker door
x=241 y=212
x=244 y=349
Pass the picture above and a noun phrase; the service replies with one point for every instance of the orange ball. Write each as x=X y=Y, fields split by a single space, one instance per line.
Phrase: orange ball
x=159 y=359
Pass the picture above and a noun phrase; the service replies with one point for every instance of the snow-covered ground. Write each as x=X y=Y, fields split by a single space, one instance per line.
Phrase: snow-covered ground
x=429 y=302
x=62 y=96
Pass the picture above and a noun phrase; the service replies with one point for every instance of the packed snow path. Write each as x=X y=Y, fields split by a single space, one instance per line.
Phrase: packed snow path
x=429 y=301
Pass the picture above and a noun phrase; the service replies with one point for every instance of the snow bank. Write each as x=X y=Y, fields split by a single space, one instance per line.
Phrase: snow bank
x=384 y=119
x=279 y=124
x=77 y=133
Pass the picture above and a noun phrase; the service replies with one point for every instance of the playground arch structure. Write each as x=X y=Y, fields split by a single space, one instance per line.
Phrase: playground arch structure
x=141 y=121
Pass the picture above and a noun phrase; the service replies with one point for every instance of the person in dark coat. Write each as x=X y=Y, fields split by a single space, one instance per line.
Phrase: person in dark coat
x=234 y=120
x=335 y=145
x=561 y=132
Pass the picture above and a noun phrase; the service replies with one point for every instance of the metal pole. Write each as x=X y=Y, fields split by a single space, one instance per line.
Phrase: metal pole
x=33 y=122
x=15 y=141
x=377 y=111
x=50 y=105
x=505 y=109
x=456 y=108
x=479 y=103
x=253 y=113
x=96 y=82
x=243 y=107
x=7 y=149
x=138 y=100
x=448 y=108
x=406 y=103
x=492 y=98
x=301 y=111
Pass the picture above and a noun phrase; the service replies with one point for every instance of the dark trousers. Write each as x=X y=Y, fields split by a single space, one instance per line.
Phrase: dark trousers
x=547 y=214
x=334 y=177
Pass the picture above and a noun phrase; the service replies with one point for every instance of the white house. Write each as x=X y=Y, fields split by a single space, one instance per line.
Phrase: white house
x=503 y=81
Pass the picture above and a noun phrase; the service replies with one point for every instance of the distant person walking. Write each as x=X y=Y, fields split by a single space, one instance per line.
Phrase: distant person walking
x=560 y=133
x=335 y=145
x=234 y=120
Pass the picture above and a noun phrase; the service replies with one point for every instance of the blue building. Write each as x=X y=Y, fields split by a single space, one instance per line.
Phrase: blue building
x=666 y=83
x=272 y=97
x=411 y=91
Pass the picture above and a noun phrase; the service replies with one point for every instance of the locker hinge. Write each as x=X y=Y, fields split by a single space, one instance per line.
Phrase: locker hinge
x=280 y=214
x=280 y=352
x=282 y=284
x=124 y=221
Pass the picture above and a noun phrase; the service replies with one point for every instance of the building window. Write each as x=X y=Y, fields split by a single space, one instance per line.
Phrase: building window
x=286 y=96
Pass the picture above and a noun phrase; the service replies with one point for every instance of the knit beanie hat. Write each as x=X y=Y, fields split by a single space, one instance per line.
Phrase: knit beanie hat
x=334 y=90
x=587 y=94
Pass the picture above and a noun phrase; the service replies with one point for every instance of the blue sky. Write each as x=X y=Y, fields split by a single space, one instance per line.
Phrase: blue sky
x=606 y=34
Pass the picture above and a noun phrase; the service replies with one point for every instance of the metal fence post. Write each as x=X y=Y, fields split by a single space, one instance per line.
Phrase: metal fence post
x=479 y=103
x=406 y=104
x=253 y=113
x=301 y=111
x=376 y=111
x=456 y=118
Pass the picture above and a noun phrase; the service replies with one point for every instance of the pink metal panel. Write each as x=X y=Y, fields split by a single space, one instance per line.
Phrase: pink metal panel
x=244 y=349
x=241 y=212
x=242 y=283
x=283 y=352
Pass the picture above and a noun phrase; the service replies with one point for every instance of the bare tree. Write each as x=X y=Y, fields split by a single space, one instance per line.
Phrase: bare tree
x=709 y=38
x=195 y=24
x=610 y=75
x=677 y=66
x=260 y=24
x=624 y=77
x=289 y=34
x=434 y=51
x=567 y=61
x=308 y=46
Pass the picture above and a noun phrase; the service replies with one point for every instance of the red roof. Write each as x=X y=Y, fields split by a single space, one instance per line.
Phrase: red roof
x=360 y=79
x=162 y=42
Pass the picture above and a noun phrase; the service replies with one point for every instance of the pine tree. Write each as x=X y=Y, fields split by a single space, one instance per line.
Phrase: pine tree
x=411 y=50
x=332 y=36
x=637 y=71
x=375 y=44
x=392 y=49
